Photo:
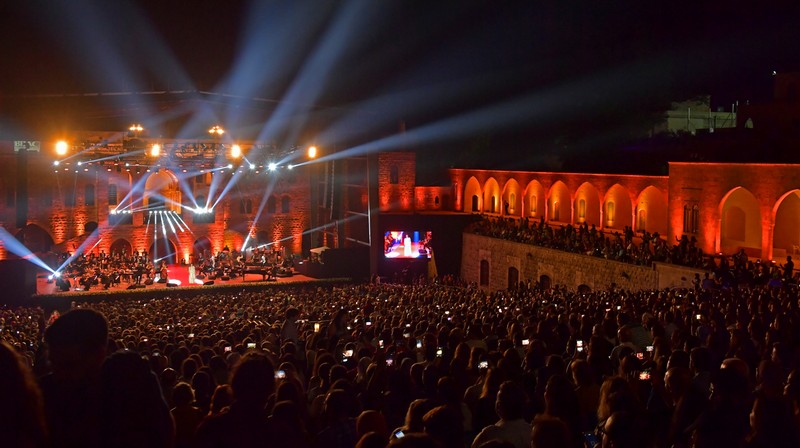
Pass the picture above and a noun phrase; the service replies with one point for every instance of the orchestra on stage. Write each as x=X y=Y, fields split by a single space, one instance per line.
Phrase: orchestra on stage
x=101 y=270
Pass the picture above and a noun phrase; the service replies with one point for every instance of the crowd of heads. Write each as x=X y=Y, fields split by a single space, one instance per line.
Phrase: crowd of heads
x=642 y=248
x=429 y=365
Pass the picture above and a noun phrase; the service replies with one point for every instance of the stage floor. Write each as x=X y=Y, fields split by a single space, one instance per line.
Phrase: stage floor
x=176 y=272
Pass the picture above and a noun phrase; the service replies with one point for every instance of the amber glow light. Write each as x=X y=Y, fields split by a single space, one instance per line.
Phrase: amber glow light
x=61 y=147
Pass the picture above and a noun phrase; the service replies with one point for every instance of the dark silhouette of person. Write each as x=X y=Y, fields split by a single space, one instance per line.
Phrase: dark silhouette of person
x=135 y=414
x=244 y=424
x=22 y=422
x=72 y=392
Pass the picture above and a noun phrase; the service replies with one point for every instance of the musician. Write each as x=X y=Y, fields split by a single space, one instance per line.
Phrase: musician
x=137 y=275
x=163 y=271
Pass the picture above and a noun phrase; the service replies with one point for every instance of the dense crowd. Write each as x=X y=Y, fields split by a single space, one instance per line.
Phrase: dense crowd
x=722 y=270
x=588 y=240
x=429 y=365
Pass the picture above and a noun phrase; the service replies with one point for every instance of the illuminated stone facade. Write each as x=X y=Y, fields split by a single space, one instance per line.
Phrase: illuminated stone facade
x=66 y=202
x=724 y=206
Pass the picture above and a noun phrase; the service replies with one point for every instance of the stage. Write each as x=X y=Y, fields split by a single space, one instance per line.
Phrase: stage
x=178 y=275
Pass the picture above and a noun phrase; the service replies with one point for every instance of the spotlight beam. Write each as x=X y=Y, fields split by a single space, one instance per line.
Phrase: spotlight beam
x=264 y=199
x=180 y=219
x=171 y=217
x=172 y=227
x=17 y=248
x=80 y=249
x=293 y=110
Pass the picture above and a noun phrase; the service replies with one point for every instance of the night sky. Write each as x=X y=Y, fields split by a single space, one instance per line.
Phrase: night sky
x=526 y=85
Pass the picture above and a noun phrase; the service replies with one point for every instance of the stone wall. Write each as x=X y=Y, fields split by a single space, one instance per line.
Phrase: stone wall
x=561 y=268
x=396 y=193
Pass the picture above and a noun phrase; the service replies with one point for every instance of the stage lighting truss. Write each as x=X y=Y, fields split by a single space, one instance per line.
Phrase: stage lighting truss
x=144 y=155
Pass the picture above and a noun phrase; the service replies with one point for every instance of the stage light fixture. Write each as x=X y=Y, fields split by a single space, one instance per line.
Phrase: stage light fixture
x=312 y=152
x=61 y=147
x=236 y=151
x=80 y=163
x=155 y=150
x=272 y=166
x=216 y=130
x=56 y=163
x=136 y=127
x=230 y=166
x=290 y=166
x=252 y=166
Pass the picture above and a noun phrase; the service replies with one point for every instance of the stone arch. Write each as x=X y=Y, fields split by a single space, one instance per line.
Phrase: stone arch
x=740 y=222
x=513 y=278
x=584 y=289
x=232 y=239
x=617 y=208
x=164 y=249
x=559 y=203
x=484 y=273
x=162 y=191
x=786 y=219
x=121 y=246
x=512 y=198
x=262 y=237
x=90 y=227
x=545 y=281
x=651 y=207
x=35 y=238
x=199 y=248
x=534 y=200
x=587 y=205
x=472 y=195
x=491 y=196
x=271 y=205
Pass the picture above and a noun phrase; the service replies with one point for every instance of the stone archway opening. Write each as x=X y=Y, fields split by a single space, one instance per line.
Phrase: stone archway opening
x=513 y=278
x=162 y=191
x=587 y=205
x=164 y=250
x=122 y=247
x=651 y=211
x=545 y=282
x=35 y=238
x=618 y=208
x=472 y=195
x=200 y=248
x=740 y=225
x=491 y=196
x=786 y=234
x=558 y=203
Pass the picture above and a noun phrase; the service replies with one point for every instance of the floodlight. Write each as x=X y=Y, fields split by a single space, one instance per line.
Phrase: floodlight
x=62 y=147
